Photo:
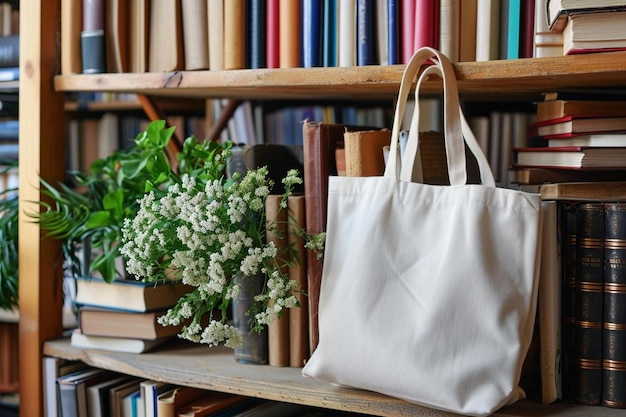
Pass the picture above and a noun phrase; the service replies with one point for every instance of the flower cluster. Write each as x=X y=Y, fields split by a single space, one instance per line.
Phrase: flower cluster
x=205 y=232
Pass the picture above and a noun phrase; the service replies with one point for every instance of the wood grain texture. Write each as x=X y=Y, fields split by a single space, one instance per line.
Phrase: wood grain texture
x=216 y=369
x=521 y=78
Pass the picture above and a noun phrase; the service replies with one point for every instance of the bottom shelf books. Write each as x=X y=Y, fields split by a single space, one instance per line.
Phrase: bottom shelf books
x=594 y=303
x=74 y=389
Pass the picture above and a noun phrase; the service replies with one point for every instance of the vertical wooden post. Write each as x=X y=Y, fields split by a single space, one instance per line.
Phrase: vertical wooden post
x=42 y=153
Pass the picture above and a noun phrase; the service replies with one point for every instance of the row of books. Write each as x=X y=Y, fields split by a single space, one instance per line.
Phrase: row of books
x=153 y=36
x=593 y=341
x=75 y=389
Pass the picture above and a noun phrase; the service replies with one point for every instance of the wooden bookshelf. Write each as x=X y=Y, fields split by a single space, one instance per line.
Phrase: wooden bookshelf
x=215 y=369
x=42 y=132
x=519 y=79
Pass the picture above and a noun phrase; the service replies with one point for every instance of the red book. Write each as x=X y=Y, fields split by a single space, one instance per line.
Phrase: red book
x=572 y=126
x=407 y=29
x=273 y=40
x=426 y=32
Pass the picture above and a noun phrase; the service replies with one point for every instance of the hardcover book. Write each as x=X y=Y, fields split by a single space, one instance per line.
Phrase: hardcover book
x=128 y=295
x=571 y=126
x=574 y=157
x=116 y=344
x=558 y=11
x=584 y=191
x=555 y=109
x=614 y=332
x=588 y=299
x=594 y=32
x=364 y=152
x=119 y=323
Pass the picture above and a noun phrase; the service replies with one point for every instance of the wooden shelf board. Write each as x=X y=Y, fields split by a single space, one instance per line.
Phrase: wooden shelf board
x=215 y=369
x=521 y=77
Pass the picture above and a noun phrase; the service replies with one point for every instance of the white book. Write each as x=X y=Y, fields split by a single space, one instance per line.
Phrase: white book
x=347 y=33
x=215 y=15
x=487 y=30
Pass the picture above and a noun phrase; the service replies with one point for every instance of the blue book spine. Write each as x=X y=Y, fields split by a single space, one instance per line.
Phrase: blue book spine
x=513 y=35
x=312 y=33
x=257 y=32
x=393 y=34
x=329 y=47
x=366 y=51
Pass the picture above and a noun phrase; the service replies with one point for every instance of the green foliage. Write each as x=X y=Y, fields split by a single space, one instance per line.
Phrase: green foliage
x=95 y=209
x=8 y=250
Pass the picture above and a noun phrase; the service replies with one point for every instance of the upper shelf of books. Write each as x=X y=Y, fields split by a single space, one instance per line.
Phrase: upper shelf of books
x=501 y=79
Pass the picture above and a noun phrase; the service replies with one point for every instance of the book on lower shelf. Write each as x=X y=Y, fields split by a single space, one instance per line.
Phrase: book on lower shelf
x=572 y=157
x=572 y=126
x=594 y=302
x=94 y=321
x=128 y=294
x=117 y=344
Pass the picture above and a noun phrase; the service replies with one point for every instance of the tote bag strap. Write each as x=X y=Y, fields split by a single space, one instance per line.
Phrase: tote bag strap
x=411 y=169
x=454 y=123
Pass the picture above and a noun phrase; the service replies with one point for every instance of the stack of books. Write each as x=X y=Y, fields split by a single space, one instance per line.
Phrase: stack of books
x=578 y=132
x=588 y=26
x=122 y=315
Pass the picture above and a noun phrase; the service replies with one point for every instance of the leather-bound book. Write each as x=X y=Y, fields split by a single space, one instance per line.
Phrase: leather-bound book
x=614 y=335
x=589 y=295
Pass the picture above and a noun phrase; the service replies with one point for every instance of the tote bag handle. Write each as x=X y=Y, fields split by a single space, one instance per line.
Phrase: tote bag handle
x=457 y=131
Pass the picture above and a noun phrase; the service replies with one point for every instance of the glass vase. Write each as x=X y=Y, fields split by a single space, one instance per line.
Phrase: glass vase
x=254 y=347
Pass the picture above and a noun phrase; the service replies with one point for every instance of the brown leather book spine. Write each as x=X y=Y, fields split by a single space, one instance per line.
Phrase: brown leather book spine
x=614 y=334
x=589 y=295
x=234 y=34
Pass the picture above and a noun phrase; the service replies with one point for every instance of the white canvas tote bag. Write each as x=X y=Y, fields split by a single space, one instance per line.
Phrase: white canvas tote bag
x=429 y=292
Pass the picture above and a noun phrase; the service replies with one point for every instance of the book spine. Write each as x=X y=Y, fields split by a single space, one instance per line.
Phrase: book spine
x=568 y=297
x=329 y=33
x=195 y=34
x=257 y=34
x=92 y=41
x=393 y=34
x=311 y=33
x=347 y=33
x=614 y=332
x=298 y=317
x=276 y=231
x=407 y=28
x=513 y=29
x=589 y=309
x=290 y=33
x=71 y=28
x=366 y=51
x=234 y=34
x=273 y=34
x=215 y=11
x=449 y=26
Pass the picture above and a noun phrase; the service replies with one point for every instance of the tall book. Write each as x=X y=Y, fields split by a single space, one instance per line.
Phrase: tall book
x=312 y=33
x=215 y=11
x=116 y=35
x=364 y=152
x=330 y=33
x=276 y=231
x=257 y=22
x=393 y=32
x=234 y=34
x=589 y=307
x=347 y=34
x=449 y=25
x=139 y=17
x=298 y=317
x=467 y=31
x=614 y=332
x=366 y=32
x=319 y=143
x=195 y=34
x=407 y=29
x=290 y=34
x=165 y=41
x=92 y=38
x=272 y=34
x=487 y=30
